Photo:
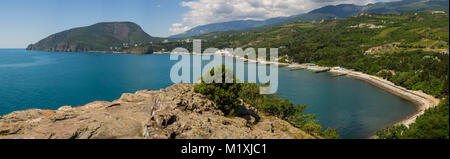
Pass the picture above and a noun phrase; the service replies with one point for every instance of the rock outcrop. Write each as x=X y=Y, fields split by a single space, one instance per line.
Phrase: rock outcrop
x=174 y=112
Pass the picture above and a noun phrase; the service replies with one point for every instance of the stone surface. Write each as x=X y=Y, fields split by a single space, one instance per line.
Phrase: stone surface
x=174 y=112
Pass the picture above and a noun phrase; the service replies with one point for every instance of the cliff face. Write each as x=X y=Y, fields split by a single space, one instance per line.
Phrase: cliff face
x=108 y=36
x=175 y=112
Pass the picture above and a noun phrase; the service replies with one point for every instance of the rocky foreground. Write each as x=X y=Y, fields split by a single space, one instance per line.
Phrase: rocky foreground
x=174 y=112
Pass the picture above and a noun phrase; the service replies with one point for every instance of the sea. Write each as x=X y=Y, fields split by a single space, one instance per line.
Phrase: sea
x=49 y=80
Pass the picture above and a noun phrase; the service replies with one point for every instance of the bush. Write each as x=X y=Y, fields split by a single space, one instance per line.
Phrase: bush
x=434 y=124
x=225 y=95
x=228 y=97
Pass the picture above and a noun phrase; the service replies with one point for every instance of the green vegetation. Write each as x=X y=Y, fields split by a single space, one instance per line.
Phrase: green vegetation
x=411 y=50
x=229 y=95
x=327 y=12
x=394 y=47
x=108 y=36
x=410 y=70
x=432 y=125
x=225 y=95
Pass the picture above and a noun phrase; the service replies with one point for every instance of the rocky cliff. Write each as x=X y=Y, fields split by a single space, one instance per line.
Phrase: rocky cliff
x=107 y=36
x=174 y=112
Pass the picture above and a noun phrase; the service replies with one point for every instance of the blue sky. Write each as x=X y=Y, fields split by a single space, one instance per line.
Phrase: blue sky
x=26 y=21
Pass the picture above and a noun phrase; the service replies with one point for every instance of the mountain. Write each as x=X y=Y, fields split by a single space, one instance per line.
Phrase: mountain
x=324 y=13
x=98 y=37
x=227 y=26
x=406 y=6
x=340 y=11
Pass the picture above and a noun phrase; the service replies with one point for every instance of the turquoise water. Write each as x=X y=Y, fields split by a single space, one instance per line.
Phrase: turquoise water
x=33 y=79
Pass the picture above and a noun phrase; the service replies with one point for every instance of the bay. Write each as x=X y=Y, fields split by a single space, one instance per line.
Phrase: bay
x=45 y=80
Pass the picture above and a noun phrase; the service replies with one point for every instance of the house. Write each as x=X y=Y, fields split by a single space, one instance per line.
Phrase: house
x=437 y=12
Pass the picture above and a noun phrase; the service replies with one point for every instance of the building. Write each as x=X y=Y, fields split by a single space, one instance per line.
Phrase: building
x=437 y=12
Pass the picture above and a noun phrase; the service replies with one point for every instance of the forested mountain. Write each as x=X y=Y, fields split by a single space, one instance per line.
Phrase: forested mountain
x=413 y=46
x=324 y=13
x=227 y=26
x=108 y=36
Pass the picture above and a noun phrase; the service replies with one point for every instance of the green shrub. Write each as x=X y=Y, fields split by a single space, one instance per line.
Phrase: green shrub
x=225 y=95
x=228 y=97
x=434 y=124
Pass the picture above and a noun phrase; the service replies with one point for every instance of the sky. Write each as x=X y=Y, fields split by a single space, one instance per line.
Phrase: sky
x=24 y=22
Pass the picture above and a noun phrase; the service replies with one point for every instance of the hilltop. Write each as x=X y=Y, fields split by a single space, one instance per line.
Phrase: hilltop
x=106 y=36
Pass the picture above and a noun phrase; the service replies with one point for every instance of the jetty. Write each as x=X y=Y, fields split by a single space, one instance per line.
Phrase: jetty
x=334 y=74
x=322 y=70
x=309 y=66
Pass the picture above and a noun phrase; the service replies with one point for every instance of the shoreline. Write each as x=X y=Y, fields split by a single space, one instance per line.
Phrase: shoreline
x=419 y=99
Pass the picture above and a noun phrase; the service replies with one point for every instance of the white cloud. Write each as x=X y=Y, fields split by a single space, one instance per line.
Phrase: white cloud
x=213 y=11
x=178 y=28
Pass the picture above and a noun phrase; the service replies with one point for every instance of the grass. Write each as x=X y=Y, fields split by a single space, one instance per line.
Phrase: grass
x=386 y=32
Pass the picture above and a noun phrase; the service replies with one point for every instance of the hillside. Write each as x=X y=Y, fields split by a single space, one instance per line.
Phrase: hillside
x=108 y=36
x=356 y=41
x=227 y=26
x=363 y=32
x=324 y=13
x=410 y=50
x=406 y=6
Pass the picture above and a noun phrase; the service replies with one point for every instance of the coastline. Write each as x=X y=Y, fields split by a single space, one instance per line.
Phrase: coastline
x=421 y=100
